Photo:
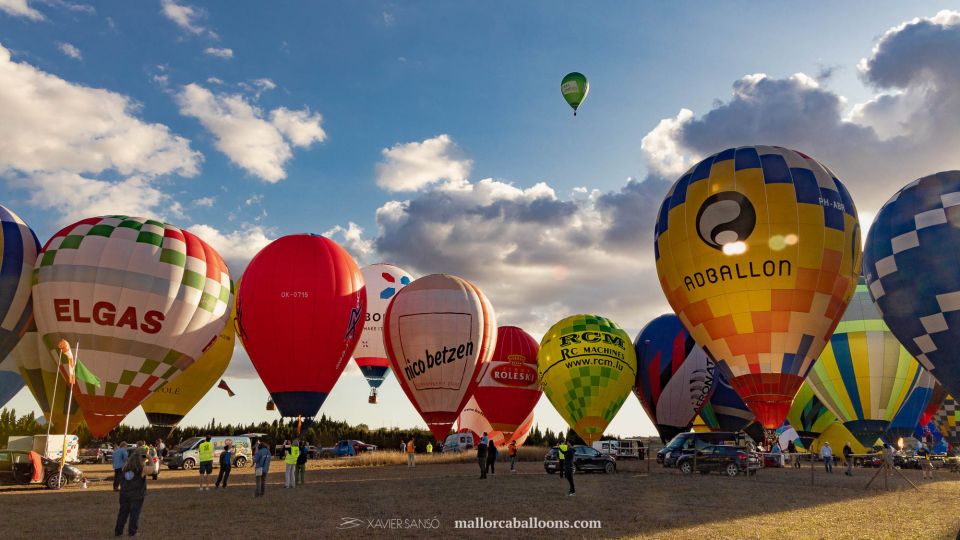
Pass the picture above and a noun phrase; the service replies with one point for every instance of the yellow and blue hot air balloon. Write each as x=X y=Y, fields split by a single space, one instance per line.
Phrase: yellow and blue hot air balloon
x=18 y=253
x=808 y=416
x=587 y=368
x=758 y=252
x=864 y=375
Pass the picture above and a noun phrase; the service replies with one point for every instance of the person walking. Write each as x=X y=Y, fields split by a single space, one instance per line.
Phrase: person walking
x=492 y=454
x=925 y=464
x=826 y=453
x=120 y=456
x=848 y=458
x=226 y=463
x=290 y=462
x=153 y=458
x=512 y=452
x=133 y=489
x=792 y=454
x=206 y=463
x=301 y=463
x=429 y=448
x=564 y=449
x=261 y=464
x=411 y=454
x=482 y=460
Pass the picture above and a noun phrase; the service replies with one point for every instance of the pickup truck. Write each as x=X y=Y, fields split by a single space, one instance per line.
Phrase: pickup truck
x=96 y=453
x=346 y=447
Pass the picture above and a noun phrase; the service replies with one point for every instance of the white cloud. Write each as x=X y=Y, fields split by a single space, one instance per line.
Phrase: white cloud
x=388 y=18
x=416 y=165
x=204 y=202
x=236 y=247
x=71 y=51
x=20 y=8
x=351 y=238
x=214 y=80
x=260 y=147
x=660 y=145
x=75 y=197
x=218 y=52
x=186 y=17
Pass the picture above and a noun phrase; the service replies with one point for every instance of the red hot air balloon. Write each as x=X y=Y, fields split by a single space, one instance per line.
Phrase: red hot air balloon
x=439 y=332
x=300 y=311
x=936 y=399
x=509 y=389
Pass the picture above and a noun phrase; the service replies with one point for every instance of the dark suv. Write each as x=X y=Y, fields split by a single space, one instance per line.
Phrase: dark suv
x=727 y=459
x=686 y=443
x=584 y=459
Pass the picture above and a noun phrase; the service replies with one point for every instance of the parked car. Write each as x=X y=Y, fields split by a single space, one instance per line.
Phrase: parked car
x=686 y=443
x=16 y=467
x=727 y=459
x=96 y=453
x=458 y=442
x=585 y=459
x=622 y=449
x=347 y=447
x=186 y=455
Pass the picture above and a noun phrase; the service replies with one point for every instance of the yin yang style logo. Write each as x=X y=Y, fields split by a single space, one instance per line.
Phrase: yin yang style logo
x=724 y=218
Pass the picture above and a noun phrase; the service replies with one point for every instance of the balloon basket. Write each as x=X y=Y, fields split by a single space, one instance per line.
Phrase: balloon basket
x=373 y=396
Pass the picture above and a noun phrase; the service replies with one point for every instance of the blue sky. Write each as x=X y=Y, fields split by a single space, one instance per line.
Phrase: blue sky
x=246 y=121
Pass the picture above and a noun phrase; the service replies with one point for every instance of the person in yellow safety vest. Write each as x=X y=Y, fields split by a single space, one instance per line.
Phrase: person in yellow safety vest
x=290 y=462
x=429 y=447
x=561 y=451
x=411 y=459
x=206 y=463
x=566 y=451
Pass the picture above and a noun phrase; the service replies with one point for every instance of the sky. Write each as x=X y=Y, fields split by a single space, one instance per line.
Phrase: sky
x=432 y=135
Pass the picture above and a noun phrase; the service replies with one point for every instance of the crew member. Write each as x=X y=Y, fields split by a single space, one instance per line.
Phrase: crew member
x=290 y=462
x=512 y=451
x=206 y=463
x=411 y=454
x=429 y=447
x=565 y=450
x=561 y=452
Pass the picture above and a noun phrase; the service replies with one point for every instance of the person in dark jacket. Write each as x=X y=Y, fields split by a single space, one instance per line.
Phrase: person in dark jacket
x=261 y=462
x=133 y=488
x=301 y=463
x=226 y=463
x=848 y=458
x=482 y=459
x=568 y=465
x=492 y=455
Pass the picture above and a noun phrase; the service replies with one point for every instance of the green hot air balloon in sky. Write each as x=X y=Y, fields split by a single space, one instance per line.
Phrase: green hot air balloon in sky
x=574 y=88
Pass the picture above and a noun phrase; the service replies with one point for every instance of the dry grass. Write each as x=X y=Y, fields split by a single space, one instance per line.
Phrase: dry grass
x=395 y=457
x=778 y=503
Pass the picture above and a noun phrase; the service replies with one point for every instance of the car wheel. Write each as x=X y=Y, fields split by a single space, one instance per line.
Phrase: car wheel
x=189 y=464
x=240 y=462
x=732 y=469
x=56 y=481
x=686 y=467
x=610 y=468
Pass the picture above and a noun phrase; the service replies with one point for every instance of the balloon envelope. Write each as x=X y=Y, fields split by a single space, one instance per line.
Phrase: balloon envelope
x=758 y=252
x=18 y=253
x=726 y=411
x=39 y=371
x=947 y=420
x=382 y=281
x=300 y=308
x=168 y=405
x=587 y=367
x=910 y=262
x=440 y=332
x=674 y=376
x=574 y=87
x=142 y=299
x=937 y=395
x=808 y=415
x=864 y=375
x=10 y=380
x=473 y=420
x=510 y=389
x=908 y=418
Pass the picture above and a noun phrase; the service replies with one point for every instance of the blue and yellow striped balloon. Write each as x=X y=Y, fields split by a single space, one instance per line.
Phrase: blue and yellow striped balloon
x=18 y=253
x=864 y=375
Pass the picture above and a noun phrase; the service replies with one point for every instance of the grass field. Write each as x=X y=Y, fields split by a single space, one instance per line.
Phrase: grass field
x=777 y=503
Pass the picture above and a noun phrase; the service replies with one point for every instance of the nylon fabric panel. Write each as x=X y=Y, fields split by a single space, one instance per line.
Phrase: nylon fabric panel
x=383 y=281
x=509 y=388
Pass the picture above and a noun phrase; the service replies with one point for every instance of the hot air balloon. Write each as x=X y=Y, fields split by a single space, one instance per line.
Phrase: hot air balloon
x=674 y=376
x=382 y=281
x=473 y=420
x=758 y=252
x=910 y=262
x=18 y=253
x=300 y=308
x=168 y=405
x=141 y=298
x=838 y=435
x=699 y=425
x=440 y=332
x=808 y=415
x=574 y=88
x=948 y=420
x=937 y=395
x=725 y=411
x=587 y=367
x=906 y=421
x=509 y=389
x=864 y=375
x=39 y=371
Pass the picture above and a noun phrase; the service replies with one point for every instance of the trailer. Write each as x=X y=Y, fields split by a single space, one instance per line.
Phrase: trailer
x=53 y=450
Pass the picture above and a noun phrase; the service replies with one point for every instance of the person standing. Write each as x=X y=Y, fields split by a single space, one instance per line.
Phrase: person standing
x=153 y=457
x=290 y=462
x=482 y=460
x=133 y=489
x=429 y=448
x=411 y=454
x=848 y=458
x=568 y=468
x=301 y=463
x=120 y=456
x=261 y=464
x=206 y=463
x=925 y=464
x=484 y=439
x=826 y=453
x=792 y=454
x=161 y=448
x=226 y=463
x=512 y=452
x=492 y=455
x=561 y=456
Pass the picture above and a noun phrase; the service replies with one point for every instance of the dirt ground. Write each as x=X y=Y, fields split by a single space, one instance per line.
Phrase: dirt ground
x=395 y=501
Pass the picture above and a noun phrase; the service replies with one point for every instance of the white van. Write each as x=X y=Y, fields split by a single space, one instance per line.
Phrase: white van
x=458 y=442
x=186 y=455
